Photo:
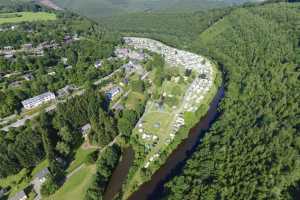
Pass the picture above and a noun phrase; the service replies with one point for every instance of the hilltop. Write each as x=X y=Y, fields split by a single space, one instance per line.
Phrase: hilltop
x=96 y=9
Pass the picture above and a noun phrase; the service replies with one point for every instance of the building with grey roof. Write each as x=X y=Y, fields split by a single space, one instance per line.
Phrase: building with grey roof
x=19 y=196
x=38 y=100
x=38 y=181
x=85 y=129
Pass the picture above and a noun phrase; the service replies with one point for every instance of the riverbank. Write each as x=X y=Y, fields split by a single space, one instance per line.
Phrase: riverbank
x=131 y=190
x=139 y=174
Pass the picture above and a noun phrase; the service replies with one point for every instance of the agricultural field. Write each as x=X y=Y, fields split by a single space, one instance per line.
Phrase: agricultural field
x=18 y=17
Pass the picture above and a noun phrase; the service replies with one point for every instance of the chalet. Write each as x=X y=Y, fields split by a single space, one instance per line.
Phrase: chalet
x=51 y=73
x=64 y=60
x=2 y=192
x=113 y=92
x=98 y=64
x=65 y=91
x=8 y=56
x=38 y=100
x=16 y=84
x=85 y=130
x=68 y=39
x=27 y=47
x=19 y=196
x=39 y=179
x=69 y=67
x=8 y=48
x=122 y=52
x=28 y=77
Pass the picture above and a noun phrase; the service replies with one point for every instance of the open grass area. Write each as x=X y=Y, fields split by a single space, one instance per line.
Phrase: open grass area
x=133 y=99
x=25 y=17
x=76 y=186
x=79 y=158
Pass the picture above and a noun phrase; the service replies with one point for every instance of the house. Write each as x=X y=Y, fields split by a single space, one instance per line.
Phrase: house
x=51 y=73
x=41 y=176
x=68 y=39
x=38 y=100
x=8 y=48
x=64 y=60
x=16 y=84
x=19 y=196
x=28 y=77
x=2 y=192
x=85 y=130
x=65 y=91
x=122 y=52
x=27 y=47
x=98 y=64
x=69 y=67
x=39 y=179
x=113 y=92
x=8 y=56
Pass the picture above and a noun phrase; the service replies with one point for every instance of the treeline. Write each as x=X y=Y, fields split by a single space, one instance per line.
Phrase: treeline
x=106 y=163
x=252 y=150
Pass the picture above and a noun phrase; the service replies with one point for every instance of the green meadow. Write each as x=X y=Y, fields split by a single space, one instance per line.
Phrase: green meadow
x=25 y=17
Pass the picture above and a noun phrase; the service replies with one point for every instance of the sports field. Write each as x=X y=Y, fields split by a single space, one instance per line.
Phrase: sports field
x=25 y=17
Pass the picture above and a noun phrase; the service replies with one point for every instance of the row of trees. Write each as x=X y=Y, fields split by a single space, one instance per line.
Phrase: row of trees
x=106 y=163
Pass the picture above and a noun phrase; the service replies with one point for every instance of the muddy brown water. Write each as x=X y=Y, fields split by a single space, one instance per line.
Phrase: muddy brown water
x=153 y=189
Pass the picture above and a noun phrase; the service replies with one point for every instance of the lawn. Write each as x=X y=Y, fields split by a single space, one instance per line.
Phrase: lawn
x=133 y=99
x=152 y=119
x=76 y=186
x=79 y=159
x=25 y=17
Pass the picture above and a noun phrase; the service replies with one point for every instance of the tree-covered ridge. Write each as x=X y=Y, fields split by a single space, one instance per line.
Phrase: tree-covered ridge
x=174 y=28
x=252 y=151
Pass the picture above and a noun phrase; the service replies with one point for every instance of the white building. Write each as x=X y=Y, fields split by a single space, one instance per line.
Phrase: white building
x=98 y=64
x=85 y=130
x=19 y=196
x=38 y=100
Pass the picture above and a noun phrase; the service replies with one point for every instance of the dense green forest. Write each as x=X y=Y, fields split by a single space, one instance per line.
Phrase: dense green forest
x=96 y=9
x=252 y=150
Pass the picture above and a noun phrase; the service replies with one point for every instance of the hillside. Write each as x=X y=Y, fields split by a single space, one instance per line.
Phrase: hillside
x=98 y=8
x=252 y=150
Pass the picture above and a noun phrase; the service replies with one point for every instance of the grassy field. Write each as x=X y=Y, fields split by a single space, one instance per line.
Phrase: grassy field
x=79 y=159
x=76 y=186
x=133 y=99
x=25 y=17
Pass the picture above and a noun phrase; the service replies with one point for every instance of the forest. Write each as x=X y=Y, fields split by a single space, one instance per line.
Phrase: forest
x=252 y=150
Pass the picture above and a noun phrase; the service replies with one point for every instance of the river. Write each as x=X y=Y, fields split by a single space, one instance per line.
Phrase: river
x=153 y=189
